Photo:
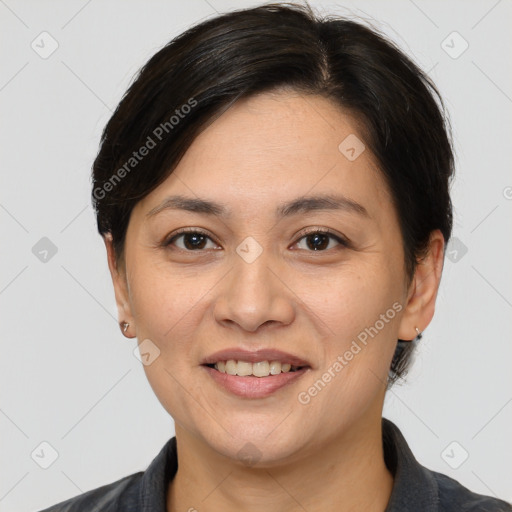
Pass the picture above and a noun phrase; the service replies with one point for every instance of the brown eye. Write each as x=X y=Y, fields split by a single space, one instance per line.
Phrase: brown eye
x=321 y=240
x=190 y=240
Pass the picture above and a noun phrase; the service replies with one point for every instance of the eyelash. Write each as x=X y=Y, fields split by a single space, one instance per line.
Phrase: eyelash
x=321 y=231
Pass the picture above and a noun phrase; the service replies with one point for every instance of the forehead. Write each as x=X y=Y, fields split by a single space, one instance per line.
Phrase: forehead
x=274 y=147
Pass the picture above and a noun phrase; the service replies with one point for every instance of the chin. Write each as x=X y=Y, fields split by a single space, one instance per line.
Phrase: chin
x=255 y=444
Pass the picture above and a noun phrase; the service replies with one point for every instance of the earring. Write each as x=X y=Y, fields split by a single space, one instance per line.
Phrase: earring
x=419 y=335
x=125 y=326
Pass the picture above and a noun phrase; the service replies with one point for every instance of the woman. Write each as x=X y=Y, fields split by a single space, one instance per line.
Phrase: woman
x=273 y=193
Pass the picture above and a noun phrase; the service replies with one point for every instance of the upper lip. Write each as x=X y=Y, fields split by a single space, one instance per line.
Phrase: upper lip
x=254 y=356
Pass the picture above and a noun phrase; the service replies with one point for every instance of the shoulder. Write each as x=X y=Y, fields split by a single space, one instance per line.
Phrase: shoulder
x=118 y=495
x=417 y=487
x=143 y=490
x=454 y=496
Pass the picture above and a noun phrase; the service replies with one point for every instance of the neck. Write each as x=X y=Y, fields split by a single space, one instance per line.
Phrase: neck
x=348 y=472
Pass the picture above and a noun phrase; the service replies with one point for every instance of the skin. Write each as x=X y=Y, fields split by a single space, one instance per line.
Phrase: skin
x=263 y=151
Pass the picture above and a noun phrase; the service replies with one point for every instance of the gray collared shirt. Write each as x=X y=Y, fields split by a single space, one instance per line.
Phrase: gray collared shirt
x=415 y=488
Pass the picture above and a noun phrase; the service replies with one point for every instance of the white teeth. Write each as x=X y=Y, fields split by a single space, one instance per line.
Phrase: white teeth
x=243 y=368
x=275 y=368
x=231 y=367
x=259 y=369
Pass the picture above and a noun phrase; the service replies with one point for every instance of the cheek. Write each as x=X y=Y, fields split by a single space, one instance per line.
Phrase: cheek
x=352 y=300
x=168 y=309
x=362 y=312
x=165 y=304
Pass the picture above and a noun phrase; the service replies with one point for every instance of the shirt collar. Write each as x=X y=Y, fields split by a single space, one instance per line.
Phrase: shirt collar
x=414 y=487
x=156 y=478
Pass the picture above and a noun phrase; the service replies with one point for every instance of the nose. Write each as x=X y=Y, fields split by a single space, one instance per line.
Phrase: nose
x=254 y=295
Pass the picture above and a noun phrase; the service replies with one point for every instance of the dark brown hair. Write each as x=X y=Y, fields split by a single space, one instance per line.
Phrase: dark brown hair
x=200 y=73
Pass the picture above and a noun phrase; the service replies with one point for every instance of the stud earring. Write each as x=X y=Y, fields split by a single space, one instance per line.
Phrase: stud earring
x=125 y=326
x=419 y=335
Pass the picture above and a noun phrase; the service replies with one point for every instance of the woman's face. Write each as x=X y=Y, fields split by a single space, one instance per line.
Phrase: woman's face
x=252 y=280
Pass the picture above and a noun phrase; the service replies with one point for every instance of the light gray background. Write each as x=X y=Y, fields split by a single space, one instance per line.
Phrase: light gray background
x=68 y=375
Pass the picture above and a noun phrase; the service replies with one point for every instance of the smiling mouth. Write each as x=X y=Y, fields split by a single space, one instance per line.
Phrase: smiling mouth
x=258 y=369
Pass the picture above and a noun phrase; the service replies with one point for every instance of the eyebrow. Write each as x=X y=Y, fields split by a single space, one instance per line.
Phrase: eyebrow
x=303 y=204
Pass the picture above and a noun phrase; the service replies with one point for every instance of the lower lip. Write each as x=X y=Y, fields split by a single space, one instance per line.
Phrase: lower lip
x=254 y=387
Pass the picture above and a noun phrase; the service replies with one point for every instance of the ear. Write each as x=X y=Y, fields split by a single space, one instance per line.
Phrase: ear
x=421 y=297
x=119 y=281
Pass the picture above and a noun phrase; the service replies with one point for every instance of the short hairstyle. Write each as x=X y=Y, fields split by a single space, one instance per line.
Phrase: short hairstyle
x=194 y=78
